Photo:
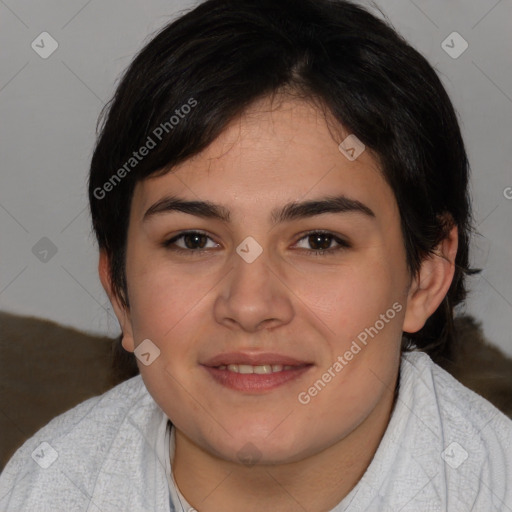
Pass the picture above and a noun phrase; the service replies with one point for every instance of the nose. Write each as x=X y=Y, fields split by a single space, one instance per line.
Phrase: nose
x=253 y=296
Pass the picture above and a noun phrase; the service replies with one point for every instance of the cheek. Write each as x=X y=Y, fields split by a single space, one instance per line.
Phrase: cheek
x=350 y=396
x=348 y=296
x=161 y=295
x=159 y=306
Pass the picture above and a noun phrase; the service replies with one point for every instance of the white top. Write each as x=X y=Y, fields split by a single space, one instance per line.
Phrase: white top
x=446 y=449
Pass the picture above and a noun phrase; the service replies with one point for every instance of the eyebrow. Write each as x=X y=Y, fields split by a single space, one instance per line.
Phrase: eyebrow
x=290 y=211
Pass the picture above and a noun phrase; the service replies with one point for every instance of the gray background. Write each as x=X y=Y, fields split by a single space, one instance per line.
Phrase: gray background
x=49 y=108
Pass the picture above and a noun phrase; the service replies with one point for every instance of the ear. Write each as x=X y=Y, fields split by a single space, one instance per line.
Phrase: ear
x=428 y=289
x=121 y=311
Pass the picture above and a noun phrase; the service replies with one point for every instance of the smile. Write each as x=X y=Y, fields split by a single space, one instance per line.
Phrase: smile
x=255 y=379
x=260 y=369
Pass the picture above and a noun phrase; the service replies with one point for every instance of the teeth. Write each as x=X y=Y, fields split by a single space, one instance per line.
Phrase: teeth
x=261 y=369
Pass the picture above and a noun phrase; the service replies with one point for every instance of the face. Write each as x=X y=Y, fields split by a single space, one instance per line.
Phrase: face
x=246 y=285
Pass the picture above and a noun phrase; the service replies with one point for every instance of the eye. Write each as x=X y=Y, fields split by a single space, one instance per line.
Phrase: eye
x=321 y=242
x=194 y=242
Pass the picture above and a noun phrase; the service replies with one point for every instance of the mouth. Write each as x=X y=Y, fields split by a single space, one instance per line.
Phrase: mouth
x=261 y=369
x=255 y=373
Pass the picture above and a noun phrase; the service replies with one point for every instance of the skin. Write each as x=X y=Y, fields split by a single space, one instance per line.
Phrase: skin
x=289 y=301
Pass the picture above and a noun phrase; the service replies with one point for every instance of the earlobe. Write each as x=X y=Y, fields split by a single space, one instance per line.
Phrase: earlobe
x=121 y=312
x=429 y=288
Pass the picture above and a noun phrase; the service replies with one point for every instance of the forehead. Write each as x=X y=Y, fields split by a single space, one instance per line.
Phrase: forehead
x=272 y=153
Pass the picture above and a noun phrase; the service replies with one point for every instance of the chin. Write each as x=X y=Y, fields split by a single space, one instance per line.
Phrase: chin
x=264 y=448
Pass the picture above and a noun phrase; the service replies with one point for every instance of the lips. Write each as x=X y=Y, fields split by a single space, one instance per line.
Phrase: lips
x=261 y=359
x=255 y=373
x=255 y=382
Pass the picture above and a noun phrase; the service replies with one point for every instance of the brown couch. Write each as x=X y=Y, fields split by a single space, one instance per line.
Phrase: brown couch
x=46 y=369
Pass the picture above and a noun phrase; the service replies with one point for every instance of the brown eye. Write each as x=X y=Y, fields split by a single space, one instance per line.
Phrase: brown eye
x=321 y=243
x=192 y=241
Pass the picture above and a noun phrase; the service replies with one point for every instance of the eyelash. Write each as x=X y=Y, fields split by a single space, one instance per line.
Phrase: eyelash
x=343 y=245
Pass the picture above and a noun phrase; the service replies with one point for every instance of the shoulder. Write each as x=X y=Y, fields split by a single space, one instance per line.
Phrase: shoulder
x=104 y=411
x=458 y=406
x=468 y=436
x=83 y=438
